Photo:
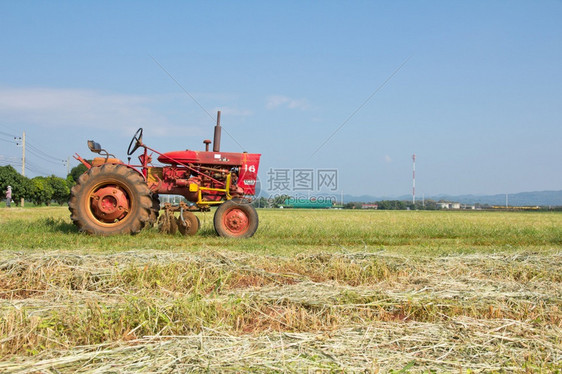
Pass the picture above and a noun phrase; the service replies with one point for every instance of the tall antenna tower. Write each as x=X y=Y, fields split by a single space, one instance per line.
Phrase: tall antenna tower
x=414 y=178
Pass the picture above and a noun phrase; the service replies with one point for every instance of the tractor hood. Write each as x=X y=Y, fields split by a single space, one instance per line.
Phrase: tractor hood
x=206 y=158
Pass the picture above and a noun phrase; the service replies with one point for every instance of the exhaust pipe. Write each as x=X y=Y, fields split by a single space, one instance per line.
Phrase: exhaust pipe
x=217 y=139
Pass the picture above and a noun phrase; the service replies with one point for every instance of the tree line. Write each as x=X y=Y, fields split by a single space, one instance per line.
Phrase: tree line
x=38 y=190
x=46 y=190
x=396 y=205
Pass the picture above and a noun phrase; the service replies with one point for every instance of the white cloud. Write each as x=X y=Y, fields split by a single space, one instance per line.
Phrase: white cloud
x=277 y=101
x=63 y=108
x=387 y=159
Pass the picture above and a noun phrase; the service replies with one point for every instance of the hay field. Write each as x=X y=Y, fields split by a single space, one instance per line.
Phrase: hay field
x=313 y=291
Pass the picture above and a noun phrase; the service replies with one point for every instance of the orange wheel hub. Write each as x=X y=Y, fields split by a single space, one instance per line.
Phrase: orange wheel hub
x=109 y=203
x=236 y=221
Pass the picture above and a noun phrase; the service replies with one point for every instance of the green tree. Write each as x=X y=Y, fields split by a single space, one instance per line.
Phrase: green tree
x=69 y=182
x=260 y=202
x=280 y=200
x=21 y=186
x=76 y=172
x=427 y=205
x=394 y=205
x=61 y=191
x=41 y=191
x=353 y=205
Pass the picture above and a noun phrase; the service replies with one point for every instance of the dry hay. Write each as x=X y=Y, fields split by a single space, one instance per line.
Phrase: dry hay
x=457 y=344
x=328 y=311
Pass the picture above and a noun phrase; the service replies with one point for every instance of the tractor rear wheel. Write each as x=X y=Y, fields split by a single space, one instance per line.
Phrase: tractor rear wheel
x=110 y=199
x=235 y=219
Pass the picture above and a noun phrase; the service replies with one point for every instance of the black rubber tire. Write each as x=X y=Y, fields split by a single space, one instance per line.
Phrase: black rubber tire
x=191 y=224
x=128 y=180
x=230 y=207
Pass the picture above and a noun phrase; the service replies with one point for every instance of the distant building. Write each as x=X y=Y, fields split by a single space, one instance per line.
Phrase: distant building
x=369 y=206
x=308 y=203
x=449 y=205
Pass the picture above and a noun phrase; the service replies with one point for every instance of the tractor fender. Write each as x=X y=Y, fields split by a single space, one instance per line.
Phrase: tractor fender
x=99 y=161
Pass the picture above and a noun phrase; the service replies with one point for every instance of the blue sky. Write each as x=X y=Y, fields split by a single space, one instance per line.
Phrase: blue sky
x=479 y=99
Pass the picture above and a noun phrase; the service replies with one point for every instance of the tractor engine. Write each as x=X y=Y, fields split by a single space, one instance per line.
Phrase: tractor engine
x=205 y=177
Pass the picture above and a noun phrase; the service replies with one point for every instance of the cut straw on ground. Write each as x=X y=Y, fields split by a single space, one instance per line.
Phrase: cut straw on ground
x=157 y=311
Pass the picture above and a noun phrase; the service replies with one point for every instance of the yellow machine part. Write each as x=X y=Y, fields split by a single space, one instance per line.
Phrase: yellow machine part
x=154 y=175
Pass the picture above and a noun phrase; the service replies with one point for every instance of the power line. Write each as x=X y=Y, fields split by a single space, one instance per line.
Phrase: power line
x=12 y=164
x=4 y=157
x=57 y=162
x=8 y=128
x=6 y=134
x=193 y=98
x=8 y=141
x=35 y=168
x=39 y=152
x=380 y=87
x=34 y=151
x=42 y=152
x=41 y=173
x=29 y=165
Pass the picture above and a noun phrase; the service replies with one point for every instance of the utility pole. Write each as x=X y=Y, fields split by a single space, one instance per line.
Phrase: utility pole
x=23 y=162
x=414 y=179
x=68 y=165
x=23 y=154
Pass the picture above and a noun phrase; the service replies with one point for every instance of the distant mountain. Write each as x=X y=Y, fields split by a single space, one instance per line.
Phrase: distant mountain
x=541 y=198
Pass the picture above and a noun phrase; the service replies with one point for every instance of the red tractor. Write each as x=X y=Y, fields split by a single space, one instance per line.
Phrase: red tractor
x=114 y=197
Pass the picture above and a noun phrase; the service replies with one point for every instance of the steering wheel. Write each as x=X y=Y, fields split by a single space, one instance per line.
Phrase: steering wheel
x=135 y=143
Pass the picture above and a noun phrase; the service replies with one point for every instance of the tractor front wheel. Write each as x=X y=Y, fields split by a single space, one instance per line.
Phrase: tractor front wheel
x=110 y=199
x=235 y=219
